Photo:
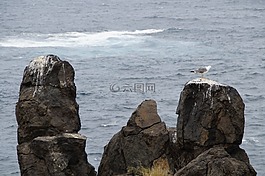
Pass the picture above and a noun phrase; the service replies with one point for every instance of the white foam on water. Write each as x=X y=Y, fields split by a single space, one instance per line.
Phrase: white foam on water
x=250 y=140
x=77 y=39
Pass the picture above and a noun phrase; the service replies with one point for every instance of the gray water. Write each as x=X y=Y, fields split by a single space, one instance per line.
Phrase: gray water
x=120 y=44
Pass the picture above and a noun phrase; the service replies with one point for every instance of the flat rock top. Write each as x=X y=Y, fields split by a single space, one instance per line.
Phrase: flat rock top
x=204 y=81
x=65 y=135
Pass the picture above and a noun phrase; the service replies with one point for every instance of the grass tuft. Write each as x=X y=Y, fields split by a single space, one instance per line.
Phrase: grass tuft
x=159 y=168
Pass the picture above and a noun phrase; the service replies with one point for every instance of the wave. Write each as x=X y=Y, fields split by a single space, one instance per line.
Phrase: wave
x=77 y=39
x=251 y=140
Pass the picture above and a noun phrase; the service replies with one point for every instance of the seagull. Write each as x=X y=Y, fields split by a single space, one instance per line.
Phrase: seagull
x=201 y=70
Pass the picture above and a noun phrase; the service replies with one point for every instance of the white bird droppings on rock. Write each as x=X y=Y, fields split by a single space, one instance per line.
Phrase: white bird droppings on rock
x=40 y=67
x=204 y=81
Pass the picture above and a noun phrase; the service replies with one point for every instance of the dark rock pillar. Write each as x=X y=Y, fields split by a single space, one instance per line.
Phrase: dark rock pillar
x=48 y=121
x=210 y=128
x=210 y=113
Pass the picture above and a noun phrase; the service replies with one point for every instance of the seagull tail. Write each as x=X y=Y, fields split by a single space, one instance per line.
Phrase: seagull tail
x=193 y=71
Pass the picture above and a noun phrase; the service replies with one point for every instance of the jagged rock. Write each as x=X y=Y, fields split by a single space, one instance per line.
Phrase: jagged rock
x=142 y=141
x=206 y=141
x=47 y=113
x=210 y=113
x=55 y=155
x=216 y=162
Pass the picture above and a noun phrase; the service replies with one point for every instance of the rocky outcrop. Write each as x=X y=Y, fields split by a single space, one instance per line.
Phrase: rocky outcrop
x=210 y=113
x=55 y=155
x=138 y=144
x=205 y=142
x=48 y=121
x=210 y=128
x=216 y=162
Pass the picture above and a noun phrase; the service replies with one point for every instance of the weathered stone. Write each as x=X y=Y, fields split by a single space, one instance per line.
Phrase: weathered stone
x=55 y=155
x=216 y=162
x=206 y=141
x=48 y=121
x=145 y=115
x=209 y=131
x=210 y=113
x=142 y=141
x=47 y=104
x=144 y=148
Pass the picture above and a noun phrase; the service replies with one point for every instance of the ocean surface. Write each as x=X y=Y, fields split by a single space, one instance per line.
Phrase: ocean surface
x=127 y=51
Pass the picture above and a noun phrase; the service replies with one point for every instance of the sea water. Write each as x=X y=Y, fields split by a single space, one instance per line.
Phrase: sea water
x=124 y=52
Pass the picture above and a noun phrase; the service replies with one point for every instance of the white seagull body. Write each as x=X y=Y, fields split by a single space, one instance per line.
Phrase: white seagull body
x=202 y=70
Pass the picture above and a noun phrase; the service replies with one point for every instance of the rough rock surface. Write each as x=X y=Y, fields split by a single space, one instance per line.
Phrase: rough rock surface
x=206 y=141
x=210 y=128
x=47 y=107
x=210 y=115
x=142 y=141
x=216 y=162
x=47 y=104
x=55 y=155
